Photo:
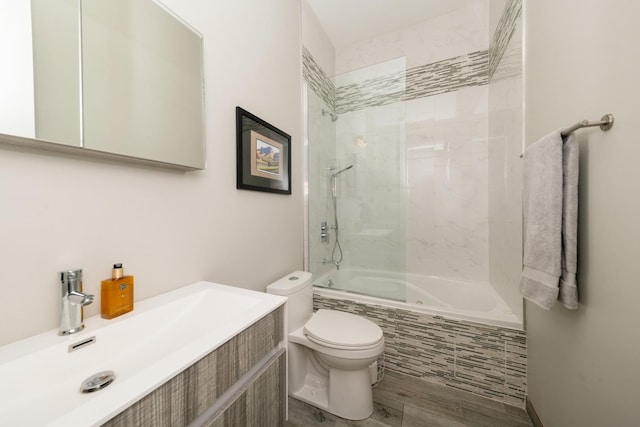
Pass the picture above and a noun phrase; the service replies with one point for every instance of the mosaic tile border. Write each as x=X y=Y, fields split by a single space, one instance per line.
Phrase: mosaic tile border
x=486 y=360
x=426 y=80
x=502 y=36
x=474 y=69
x=511 y=63
x=318 y=80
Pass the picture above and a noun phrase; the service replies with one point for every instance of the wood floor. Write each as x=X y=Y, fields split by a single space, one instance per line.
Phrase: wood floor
x=403 y=401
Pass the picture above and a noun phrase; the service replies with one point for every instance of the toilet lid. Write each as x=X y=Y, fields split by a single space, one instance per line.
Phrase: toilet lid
x=337 y=328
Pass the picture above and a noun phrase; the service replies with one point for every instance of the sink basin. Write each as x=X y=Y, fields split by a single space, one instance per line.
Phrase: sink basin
x=40 y=378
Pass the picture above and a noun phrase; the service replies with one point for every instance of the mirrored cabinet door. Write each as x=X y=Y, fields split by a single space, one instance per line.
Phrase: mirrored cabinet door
x=122 y=77
x=142 y=82
x=40 y=73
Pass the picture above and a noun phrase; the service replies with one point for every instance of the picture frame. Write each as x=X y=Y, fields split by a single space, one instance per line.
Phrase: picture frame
x=263 y=155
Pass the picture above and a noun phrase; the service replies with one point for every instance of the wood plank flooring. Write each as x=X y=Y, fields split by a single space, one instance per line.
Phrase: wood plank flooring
x=404 y=401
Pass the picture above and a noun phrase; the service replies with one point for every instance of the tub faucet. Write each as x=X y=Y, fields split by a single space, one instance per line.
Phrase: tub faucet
x=73 y=299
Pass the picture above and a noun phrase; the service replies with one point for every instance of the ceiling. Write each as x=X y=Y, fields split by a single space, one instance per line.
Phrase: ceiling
x=349 y=21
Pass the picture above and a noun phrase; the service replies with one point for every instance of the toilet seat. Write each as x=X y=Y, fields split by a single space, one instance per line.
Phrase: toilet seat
x=342 y=347
x=342 y=331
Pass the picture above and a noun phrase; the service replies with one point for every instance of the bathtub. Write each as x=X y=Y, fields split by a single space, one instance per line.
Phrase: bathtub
x=473 y=302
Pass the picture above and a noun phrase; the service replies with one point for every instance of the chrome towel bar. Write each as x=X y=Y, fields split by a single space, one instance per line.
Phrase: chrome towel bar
x=605 y=123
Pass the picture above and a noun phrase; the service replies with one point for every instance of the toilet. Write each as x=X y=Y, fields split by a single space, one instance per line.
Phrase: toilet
x=329 y=352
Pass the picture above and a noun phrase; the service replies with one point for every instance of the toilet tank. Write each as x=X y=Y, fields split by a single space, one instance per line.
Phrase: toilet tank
x=298 y=289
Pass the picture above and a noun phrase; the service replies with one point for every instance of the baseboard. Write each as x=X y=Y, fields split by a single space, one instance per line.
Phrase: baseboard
x=535 y=419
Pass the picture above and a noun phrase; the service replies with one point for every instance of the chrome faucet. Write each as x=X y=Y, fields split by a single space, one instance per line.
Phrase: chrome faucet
x=72 y=315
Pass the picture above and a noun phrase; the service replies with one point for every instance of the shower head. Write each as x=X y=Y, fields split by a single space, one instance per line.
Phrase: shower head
x=333 y=116
x=341 y=170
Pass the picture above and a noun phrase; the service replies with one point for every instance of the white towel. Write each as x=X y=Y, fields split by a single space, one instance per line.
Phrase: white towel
x=570 y=166
x=550 y=202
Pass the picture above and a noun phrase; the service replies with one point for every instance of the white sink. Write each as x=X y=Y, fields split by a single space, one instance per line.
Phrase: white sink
x=40 y=379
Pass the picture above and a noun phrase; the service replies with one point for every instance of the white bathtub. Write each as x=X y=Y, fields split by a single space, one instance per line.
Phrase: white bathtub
x=473 y=302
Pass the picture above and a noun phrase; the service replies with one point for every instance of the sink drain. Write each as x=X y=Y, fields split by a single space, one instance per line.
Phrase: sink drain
x=97 y=381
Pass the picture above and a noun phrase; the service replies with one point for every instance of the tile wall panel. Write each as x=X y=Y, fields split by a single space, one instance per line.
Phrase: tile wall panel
x=424 y=348
x=321 y=133
x=423 y=42
x=505 y=125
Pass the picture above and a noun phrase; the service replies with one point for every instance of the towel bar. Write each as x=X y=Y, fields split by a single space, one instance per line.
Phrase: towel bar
x=605 y=123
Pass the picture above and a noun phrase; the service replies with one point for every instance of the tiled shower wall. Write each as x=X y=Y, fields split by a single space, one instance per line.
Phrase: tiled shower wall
x=505 y=147
x=436 y=185
x=486 y=360
x=372 y=197
x=321 y=155
x=417 y=199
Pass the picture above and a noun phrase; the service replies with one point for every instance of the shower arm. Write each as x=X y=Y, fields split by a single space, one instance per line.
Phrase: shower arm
x=333 y=116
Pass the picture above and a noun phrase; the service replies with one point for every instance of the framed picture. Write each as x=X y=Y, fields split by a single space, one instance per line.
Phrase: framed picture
x=263 y=155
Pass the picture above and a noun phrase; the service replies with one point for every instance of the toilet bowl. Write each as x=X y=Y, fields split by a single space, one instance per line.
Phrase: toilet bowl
x=329 y=352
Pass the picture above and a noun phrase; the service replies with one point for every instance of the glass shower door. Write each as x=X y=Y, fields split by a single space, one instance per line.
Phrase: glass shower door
x=366 y=147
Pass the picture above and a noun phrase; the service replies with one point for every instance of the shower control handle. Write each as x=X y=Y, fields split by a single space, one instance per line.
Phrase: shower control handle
x=324 y=232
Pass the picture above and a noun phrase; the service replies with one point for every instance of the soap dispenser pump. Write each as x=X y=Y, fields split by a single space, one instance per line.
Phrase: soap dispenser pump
x=116 y=294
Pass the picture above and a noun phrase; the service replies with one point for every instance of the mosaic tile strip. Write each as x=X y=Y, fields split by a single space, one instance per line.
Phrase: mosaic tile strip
x=423 y=348
x=504 y=31
x=417 y=82
x=487 y=360
x=511 y=63
x=318 y=80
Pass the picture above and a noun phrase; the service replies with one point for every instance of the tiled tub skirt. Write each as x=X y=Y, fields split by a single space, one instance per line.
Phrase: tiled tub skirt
x=486 y=360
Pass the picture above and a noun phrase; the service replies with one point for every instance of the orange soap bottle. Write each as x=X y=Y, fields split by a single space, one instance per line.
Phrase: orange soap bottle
x=116 y=294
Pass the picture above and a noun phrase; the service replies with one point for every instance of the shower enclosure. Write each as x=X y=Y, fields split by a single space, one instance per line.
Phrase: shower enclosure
x=413 y=133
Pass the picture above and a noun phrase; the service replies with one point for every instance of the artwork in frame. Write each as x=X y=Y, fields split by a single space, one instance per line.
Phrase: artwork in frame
x=263 y=155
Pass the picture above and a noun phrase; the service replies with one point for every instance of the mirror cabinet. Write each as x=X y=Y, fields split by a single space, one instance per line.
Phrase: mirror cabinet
x=123 y=77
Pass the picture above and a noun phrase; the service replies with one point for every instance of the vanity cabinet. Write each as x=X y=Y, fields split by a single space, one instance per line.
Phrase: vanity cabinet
x=259 y=403
x=241 y=383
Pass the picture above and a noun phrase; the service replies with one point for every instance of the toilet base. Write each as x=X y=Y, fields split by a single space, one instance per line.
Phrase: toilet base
x=348 y=394
x=313 y=396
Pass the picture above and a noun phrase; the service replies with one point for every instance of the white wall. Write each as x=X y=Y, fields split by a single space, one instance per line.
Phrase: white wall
x=580 y=63
x=168 y=228
x=316 y=41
